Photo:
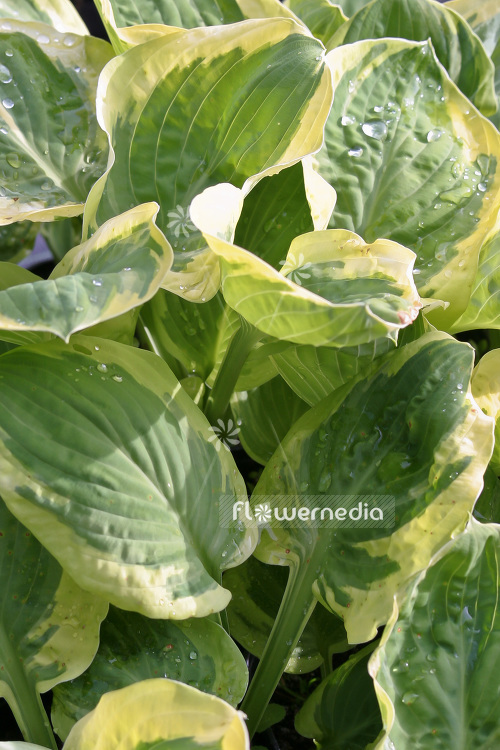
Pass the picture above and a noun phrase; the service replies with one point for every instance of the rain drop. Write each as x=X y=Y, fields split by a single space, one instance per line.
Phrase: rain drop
x=409 y=698
x=347 y=120
x=13 y=160
x=376 y=129
x=355 y=152
x=43 y=39
x=102 y=367
x=7 y=103
x=434 y=135
x=5 y=75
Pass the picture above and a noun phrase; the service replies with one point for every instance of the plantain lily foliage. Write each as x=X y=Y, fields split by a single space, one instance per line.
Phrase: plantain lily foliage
x=252 y=413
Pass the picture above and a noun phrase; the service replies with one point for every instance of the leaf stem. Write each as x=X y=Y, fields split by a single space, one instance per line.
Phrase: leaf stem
x=296 y=609
x=26 y=704
x=241 y=344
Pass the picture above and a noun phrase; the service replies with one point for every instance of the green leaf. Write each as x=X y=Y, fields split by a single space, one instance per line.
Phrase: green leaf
x=133 y=648
x=412 y=161
x=17 y=240
x=333 y=290
x=322 y=17
x=100 y=412
x=259 y=367
x=455 y=44
x=61 y=14
x=163 y=714
x=172 y=143
x=410 y=431
x=197 y=336
x=483 y=310
x=257 y=593
x=264 y=416
x=51 y=148
x=12 y=275
x=350 y=7
x=274 y=213
x=437 y=664
x=49 y=626
x=119 y=268
x=409 y=436
x=486 y=391
x=314 y=372
x=484 y=18
x=131 y=22
x=487 y=508
x=343 y=713
x=273 y=715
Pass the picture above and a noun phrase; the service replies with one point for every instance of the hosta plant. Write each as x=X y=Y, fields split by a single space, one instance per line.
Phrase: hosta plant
x=249 y=422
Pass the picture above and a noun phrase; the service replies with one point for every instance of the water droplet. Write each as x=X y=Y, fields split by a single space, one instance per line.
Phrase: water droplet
x=117 y=378
x=482 y=187
x=355 y=151
x=47 y=185
x=13 y=160
x=69 y=41
x=43 y=38
x=325 y=481
x=347 y=120
x=5 y=75
x=102 y=367
x=434 y=135
x=409 y=698
x=78 y=309
x=4 y=131
x=193 y=655
x=376 y=129
x=97 y=282
x=7 y=103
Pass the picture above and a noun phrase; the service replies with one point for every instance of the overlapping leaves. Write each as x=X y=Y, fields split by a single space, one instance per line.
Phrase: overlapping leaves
x=171 y=136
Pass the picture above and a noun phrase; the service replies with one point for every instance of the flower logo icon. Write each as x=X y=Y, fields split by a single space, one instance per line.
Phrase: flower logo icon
x=262 y=513
x=224 y=434
x=180 y=221
x=295 y=275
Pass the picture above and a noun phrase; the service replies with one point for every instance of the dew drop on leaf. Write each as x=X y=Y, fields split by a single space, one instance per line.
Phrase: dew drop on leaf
x=376 y=129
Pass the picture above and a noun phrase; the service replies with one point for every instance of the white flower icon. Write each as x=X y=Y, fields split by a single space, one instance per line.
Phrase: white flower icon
x=224 y=434
x=180 y=221
x=262 y=513
x=298 y=273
